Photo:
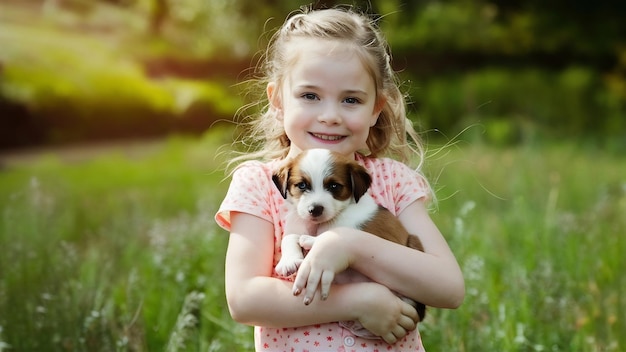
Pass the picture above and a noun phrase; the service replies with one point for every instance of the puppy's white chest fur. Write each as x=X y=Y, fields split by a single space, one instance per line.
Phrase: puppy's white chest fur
x=354 y=215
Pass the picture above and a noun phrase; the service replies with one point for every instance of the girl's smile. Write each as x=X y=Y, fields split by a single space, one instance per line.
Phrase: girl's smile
x=328 y=100
x=327 y=138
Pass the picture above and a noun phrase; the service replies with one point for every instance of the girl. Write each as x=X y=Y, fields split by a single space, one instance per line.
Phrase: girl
x=329 y=84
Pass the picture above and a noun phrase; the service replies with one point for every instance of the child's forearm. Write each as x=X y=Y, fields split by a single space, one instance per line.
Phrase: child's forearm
x=269 y=302
x=421 y=276
x=432 y=277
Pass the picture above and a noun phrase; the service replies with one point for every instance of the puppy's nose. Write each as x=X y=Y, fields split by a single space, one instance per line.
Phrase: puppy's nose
x=316 y=210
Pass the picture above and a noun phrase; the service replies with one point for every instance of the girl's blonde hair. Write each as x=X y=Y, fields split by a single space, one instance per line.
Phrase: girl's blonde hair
x=393 y=134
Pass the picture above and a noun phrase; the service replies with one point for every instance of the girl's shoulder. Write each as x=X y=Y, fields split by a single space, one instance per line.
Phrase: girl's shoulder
x=384 y=165
x=254 y=175
x=256 y=167
x=395 y=185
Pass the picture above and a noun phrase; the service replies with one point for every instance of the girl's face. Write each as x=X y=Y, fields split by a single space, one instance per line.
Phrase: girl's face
x=327 y=100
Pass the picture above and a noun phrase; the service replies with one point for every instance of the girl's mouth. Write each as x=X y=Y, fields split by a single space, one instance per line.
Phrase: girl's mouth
x=327 y=137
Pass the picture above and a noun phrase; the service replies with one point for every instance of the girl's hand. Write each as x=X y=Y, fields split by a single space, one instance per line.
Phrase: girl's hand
x=383 y=313
x=329 y=256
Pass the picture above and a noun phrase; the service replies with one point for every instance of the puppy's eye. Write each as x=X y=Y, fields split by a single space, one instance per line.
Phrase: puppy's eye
x=301 y=186
x=334 y=186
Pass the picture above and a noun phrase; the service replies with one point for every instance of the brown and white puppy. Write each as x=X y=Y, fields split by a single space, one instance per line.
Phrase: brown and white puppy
x=328 y=190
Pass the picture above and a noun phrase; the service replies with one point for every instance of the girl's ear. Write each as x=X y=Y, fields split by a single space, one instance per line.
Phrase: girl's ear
x=273 y=97
x=378 y=108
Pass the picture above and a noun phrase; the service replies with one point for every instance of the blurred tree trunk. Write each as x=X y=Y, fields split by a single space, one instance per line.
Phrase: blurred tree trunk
x=160 y=13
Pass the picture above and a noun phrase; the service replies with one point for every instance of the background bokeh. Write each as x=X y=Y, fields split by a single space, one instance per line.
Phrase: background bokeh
x=77 y=70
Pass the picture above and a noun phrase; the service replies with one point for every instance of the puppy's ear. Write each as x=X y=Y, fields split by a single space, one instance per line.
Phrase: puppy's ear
x=280 y=178
x=361 y=181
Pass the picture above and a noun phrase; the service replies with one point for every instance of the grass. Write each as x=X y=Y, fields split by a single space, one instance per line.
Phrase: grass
x=539 y=235
x=102 y=254
x=121 y=253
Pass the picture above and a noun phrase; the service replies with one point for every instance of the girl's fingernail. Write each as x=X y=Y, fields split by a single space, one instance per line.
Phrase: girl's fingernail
x=307 y=301
x=296 y=291
x=324 y=297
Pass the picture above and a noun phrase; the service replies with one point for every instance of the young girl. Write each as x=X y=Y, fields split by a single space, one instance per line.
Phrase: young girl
x=330 y=85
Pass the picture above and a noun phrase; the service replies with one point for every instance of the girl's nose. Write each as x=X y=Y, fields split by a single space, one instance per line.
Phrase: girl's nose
x=330 y=115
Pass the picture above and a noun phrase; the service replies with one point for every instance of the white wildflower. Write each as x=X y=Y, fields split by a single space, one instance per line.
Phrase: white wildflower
x=3 y=345
x=467 y=207
x=180 y=276
x=502 y=312
x=520 y=339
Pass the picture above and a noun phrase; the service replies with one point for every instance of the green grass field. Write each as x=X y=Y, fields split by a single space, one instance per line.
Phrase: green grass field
x=121 y=253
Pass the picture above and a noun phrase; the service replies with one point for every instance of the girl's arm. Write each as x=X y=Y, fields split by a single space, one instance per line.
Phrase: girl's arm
x=432 y=277
x=256 y=298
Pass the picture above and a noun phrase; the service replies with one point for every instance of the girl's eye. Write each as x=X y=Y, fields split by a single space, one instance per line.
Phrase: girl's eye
x=309 y=96
x=351 y=100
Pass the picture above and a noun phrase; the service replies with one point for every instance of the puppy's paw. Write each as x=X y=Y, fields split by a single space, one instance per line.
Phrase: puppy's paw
x=288 y=266
x=306 y=241
x=408 y=301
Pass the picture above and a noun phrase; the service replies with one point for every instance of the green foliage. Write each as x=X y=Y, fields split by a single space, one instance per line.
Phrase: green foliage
x=511 y=28
x=121 y=253
x=518 y=106
x=456 y=26
x=103 y=81
x=80 y=88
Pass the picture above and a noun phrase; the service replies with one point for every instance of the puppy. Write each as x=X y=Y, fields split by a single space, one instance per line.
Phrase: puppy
x=328 y=190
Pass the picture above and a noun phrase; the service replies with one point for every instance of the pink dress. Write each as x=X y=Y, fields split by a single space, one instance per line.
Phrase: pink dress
x=394 y=186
